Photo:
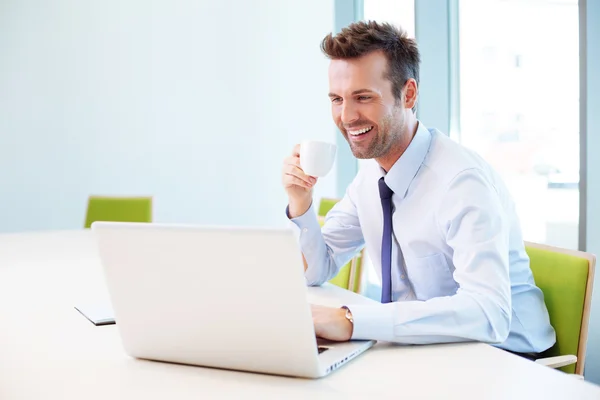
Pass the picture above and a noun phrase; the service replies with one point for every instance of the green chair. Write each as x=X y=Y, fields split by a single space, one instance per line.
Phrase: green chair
x=325 y=205
x=566 y=278
x=121 y=209
x=348 y=276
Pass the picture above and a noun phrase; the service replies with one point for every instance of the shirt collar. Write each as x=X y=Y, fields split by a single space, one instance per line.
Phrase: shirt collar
x=406 y=167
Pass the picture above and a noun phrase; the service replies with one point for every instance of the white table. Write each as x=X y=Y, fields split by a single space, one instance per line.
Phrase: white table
x=49 y=351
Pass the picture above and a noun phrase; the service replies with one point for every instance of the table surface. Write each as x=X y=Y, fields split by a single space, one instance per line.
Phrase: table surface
x=48 y=350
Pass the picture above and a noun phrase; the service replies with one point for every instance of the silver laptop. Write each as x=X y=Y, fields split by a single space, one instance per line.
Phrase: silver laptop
x=223 y=297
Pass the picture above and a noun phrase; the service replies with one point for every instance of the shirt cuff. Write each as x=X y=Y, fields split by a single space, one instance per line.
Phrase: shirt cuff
x=305 y=226
x=308 y=219
x=374 y=322
x=308 y=231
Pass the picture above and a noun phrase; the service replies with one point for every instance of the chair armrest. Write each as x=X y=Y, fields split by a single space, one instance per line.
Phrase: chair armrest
x=558 y=361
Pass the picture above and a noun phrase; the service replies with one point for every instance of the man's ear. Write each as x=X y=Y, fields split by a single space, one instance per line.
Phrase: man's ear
x=411 y=92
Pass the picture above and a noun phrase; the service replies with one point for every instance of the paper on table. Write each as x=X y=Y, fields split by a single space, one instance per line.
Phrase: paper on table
x=97 y=313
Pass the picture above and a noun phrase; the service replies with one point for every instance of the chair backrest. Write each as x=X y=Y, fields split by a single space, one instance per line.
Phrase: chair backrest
x=348 y=276
x=119 y=209
x=325 y=205
x=566 y=278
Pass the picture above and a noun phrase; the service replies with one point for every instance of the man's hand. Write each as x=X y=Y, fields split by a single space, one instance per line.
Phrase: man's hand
x=298 y=185
x=331 y=323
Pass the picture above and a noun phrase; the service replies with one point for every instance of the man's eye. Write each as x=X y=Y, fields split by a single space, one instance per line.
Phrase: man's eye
x=361 y=98
x=336 y=100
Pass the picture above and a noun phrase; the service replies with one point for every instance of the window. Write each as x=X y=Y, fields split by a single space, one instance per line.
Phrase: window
x=519 y=106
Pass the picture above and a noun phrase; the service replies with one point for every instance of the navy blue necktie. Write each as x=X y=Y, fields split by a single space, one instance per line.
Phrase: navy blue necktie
x=385 y=193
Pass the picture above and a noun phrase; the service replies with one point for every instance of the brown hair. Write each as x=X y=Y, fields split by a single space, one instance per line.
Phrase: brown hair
x=361 y=38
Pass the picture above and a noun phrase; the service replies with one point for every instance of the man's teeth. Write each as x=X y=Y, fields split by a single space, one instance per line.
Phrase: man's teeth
x=360 y=131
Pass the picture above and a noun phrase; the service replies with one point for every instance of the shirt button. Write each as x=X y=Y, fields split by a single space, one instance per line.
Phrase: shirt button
x=305 y=230
x=402 y=276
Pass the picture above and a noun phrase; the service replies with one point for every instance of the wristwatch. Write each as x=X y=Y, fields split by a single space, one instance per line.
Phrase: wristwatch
x=349 y=315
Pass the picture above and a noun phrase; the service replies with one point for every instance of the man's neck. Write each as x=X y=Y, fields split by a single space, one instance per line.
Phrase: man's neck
x=387 y=162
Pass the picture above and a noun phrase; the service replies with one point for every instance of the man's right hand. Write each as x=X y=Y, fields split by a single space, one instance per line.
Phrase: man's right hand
x=297 y=184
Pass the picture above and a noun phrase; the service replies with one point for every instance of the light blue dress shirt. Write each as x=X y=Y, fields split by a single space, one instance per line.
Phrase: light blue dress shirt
x=459 y=267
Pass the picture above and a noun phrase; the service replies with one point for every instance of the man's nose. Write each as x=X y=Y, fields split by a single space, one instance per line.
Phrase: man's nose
x=349 y=113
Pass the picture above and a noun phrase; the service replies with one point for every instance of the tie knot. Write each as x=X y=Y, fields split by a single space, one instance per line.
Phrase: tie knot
x=384 y=191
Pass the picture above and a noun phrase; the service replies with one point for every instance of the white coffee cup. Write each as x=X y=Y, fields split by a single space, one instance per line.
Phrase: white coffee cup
x=316 y=158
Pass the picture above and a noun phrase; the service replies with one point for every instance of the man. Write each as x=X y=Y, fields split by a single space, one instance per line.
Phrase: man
x=436 y=220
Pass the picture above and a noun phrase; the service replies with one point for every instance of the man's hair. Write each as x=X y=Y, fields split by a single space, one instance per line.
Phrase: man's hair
x=361 y=38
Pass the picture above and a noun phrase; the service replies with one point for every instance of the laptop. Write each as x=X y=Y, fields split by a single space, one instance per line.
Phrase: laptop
x=222 y=297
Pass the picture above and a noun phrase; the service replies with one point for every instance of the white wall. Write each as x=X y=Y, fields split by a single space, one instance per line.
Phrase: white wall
x=194 y=102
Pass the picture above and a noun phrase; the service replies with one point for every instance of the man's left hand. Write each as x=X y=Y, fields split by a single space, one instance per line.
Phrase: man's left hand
x=331 y=323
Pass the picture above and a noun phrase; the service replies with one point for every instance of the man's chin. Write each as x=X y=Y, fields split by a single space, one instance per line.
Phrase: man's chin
x=358 y=152
x=361 y=155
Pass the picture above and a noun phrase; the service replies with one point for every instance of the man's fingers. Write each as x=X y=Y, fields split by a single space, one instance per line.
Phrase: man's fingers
x=298 y=173
x=290 y=180
x=292 y=160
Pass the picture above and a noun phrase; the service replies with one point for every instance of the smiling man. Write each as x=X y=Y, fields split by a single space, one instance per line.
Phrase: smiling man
x=437 y=222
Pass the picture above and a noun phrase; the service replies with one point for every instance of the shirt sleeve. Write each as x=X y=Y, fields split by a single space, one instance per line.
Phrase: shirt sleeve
x=474 y=222
x=329 y=248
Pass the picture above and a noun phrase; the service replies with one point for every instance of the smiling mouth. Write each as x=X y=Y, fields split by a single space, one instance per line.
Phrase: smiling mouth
x=358 y=132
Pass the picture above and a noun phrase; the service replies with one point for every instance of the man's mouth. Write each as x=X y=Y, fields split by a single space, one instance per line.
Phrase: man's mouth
x=358 y=132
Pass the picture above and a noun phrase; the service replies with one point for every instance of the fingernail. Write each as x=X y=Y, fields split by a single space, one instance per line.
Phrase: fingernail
x=313 y=180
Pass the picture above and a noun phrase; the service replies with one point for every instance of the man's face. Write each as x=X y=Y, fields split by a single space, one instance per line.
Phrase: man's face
x=363 y=106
